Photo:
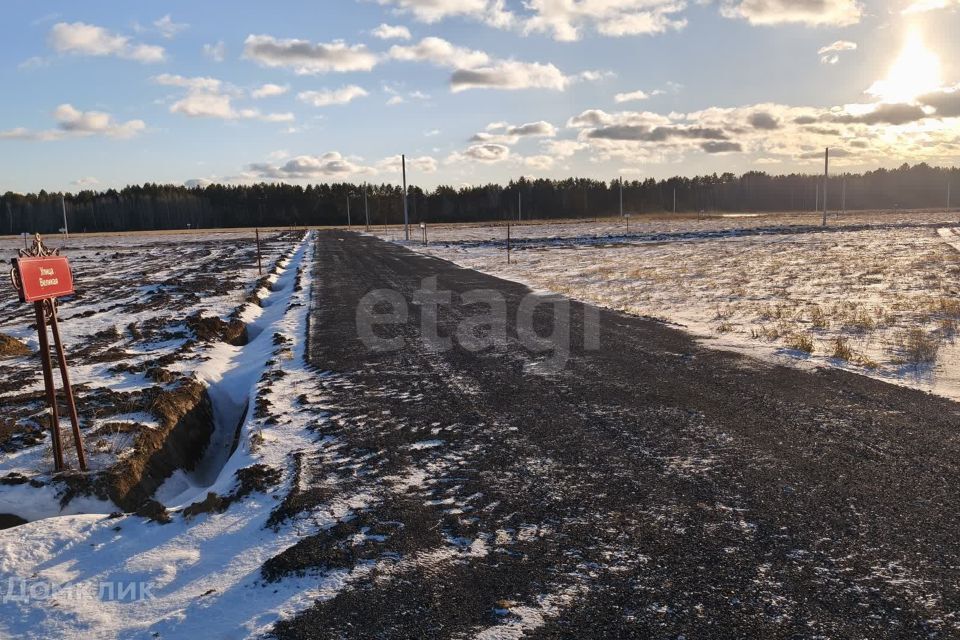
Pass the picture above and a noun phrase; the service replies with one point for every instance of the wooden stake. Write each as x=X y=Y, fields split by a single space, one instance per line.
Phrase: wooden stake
x=56 y=442
x=67 y=388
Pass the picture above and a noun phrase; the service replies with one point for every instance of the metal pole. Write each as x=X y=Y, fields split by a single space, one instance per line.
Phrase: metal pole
x=348 y=211
x=621 y=197
x=67 y=389
x=259 y=257
x=406 y=217
x=56 y=442
x=63 y=203
x=366 y=208
x=826 y=176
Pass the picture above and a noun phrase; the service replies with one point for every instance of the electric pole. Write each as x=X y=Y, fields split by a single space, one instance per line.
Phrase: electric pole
x=366 y=208
x=406 y=217
x=826 y=176
x=621 y=197
x=66 y=231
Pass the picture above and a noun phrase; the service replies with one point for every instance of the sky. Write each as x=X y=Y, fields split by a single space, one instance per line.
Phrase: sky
x=109 y=93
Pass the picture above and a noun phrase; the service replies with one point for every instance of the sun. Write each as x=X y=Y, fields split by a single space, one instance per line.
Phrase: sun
x=916 y=71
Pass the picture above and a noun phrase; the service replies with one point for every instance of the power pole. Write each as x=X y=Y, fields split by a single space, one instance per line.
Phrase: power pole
x=366 y=208
x=826 y=176
x=621 y=197
x=348 y=211
x=816 y=206
x=406 y=216
x=66 y=231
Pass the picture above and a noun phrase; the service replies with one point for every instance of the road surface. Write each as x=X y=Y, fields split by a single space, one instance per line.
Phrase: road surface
x=652 y=488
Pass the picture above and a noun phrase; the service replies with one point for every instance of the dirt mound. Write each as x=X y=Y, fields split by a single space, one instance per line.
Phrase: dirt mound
x=10 y=347
x=186 y=424
x=210 y=329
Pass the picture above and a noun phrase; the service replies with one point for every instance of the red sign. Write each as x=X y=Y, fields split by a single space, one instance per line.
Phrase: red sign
x=43 y=278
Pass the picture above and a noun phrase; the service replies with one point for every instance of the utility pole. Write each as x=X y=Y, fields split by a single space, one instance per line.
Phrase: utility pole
x=621 y=197
x=66 y=231
x=826 y=176
x=519 y=204
x=348 y=211
x=366 y=208
x=406 y=216
x=816 y=206
x=844 y=206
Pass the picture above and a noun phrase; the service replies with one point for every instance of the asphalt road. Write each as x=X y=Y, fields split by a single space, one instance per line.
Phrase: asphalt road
x=652 y=488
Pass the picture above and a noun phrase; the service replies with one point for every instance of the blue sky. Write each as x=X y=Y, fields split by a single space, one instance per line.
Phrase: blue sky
x=103 y=94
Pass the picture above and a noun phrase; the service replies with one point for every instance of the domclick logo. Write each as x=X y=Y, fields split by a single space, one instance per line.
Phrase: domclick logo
x=477 y=320
x=20 y=590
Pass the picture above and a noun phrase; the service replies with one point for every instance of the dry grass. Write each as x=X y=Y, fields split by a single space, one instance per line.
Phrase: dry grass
x=841 y=349
x=800 y=342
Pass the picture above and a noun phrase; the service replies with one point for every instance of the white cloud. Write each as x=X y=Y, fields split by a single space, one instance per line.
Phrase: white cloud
x=209 y=98
x=168 y=28
x=507 y=134
x=485 y=152
x=85 y=182
x=511 y=75
x=632 y=96
x=194 y=84
x=391 y=32
x=216 y=52
x=306 y=58
x=197 y=183
x=326 y=98
x=923 y=6
x=491 y=12
x=71 y=122
x=80 y=38
x=269 y=91
x=836 y=13
x=540 y=162
x=421 y=164
x=441 y=53
x=329 y=165
x=566 y=19
x=830 y=54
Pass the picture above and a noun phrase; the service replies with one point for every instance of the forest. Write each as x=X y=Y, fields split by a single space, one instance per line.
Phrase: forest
x=157 y=207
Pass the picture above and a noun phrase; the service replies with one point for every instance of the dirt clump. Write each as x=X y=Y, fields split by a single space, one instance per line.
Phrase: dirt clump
x=211 y=329
x=11 y=347
x=258 y=477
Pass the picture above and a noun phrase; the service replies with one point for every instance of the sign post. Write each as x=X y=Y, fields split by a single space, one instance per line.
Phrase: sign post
x=41 y=276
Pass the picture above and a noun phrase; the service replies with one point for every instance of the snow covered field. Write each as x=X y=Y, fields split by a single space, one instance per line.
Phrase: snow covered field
x=878 y=293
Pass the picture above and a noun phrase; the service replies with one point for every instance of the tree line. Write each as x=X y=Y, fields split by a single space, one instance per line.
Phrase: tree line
x=157 y=207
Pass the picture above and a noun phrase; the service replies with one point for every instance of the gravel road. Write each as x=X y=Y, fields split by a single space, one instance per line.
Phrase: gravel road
x=651 y=488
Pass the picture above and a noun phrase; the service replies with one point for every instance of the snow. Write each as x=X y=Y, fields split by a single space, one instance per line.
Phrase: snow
x=886 y=285
x=199 y=577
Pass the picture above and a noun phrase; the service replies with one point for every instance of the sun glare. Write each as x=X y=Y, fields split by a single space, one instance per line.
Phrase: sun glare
x=916 y=71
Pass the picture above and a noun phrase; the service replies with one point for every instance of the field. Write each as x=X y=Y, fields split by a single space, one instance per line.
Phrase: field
x=874 y=292
x=262 y=471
